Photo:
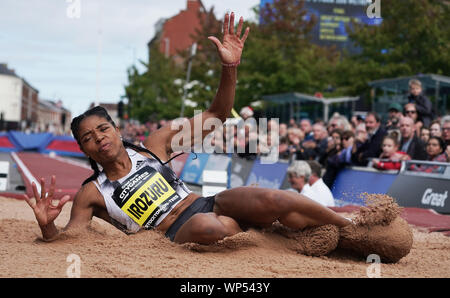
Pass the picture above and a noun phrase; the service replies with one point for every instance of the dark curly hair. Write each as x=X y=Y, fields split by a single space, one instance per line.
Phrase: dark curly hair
x=101 y=112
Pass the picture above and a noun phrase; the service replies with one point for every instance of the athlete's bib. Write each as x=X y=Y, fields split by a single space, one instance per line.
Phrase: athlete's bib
x=145 y=196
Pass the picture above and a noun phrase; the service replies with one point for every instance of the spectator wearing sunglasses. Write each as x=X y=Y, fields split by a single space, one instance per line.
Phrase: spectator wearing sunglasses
x=410 y=111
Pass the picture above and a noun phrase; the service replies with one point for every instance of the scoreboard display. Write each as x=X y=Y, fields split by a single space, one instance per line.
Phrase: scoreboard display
x=332 y=18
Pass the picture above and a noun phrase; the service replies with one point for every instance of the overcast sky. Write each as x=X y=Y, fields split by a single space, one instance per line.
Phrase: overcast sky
x=58 y=53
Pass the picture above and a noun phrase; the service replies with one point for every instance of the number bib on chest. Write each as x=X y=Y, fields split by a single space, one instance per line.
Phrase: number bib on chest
x=145 y=196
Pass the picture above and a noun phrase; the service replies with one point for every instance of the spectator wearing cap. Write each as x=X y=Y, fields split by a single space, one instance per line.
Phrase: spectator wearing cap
x=318 y=190
x=394 y=114
x=410 y=142
x=423 y=104
x=372 y=147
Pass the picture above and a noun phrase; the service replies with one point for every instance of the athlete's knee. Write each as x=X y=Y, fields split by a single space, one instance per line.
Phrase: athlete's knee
x=207 y=228
x=230 y=226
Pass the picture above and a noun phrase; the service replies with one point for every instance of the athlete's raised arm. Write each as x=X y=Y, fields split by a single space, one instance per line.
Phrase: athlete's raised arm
x=229 y=51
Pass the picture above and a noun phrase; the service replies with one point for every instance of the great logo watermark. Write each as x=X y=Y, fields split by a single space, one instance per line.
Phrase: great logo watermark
x=234 y=136
x=374 y=9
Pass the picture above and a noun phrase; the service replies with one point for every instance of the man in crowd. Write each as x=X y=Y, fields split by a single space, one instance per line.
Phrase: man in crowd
x=446 y=129
x=371 y=148
x=318 y=190
x=306 y=126
x=317 y=147
x=338 y=122
x=446 y=134
x=411 y=143
x=298 y=174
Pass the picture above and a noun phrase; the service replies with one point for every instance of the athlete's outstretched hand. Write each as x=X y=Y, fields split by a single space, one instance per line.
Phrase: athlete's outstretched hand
x=44 y=210
x=230 y=49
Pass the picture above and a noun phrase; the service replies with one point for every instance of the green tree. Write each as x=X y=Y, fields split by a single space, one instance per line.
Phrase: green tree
x=413 y=38
x=279 y=56
x=154 y=94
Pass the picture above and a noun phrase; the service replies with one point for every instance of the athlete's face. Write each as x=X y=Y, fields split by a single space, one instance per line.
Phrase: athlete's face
x=99 y=139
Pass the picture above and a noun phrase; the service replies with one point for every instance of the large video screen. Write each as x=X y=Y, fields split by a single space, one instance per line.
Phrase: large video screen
x=333 y=17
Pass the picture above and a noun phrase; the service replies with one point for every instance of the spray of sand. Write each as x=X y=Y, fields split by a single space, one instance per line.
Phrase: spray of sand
x=378 y=229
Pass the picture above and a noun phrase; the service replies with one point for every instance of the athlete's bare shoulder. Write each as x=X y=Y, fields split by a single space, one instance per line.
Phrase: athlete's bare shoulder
x=89 y=196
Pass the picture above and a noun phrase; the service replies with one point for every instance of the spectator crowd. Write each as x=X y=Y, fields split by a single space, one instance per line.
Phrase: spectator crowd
x=318 y=150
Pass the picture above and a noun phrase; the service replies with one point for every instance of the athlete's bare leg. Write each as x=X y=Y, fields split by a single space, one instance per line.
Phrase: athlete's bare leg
x=258 y=207
x=261 y=207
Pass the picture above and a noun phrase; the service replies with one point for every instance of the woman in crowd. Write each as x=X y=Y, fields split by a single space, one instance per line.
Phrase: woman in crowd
x=436 y=152
x=435 y=129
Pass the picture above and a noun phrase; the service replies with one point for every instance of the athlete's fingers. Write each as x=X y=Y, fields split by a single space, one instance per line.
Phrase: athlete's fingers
x=232 y=23
x=29 y=201
x=52 y=187
x=63 y=201
x=43 y=192
x=226 y=20
x=35 y=191
x=247 y=30
x=239 y=29
x=216 y=42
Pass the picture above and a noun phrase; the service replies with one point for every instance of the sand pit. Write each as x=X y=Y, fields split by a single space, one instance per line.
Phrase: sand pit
x=105 y=252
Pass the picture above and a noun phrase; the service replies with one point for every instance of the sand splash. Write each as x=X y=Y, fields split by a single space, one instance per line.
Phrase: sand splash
x=378 y=229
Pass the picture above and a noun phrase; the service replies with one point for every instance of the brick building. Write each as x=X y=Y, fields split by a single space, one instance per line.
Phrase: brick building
x=19 y=101
x=53 y=117
x=174 y=34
